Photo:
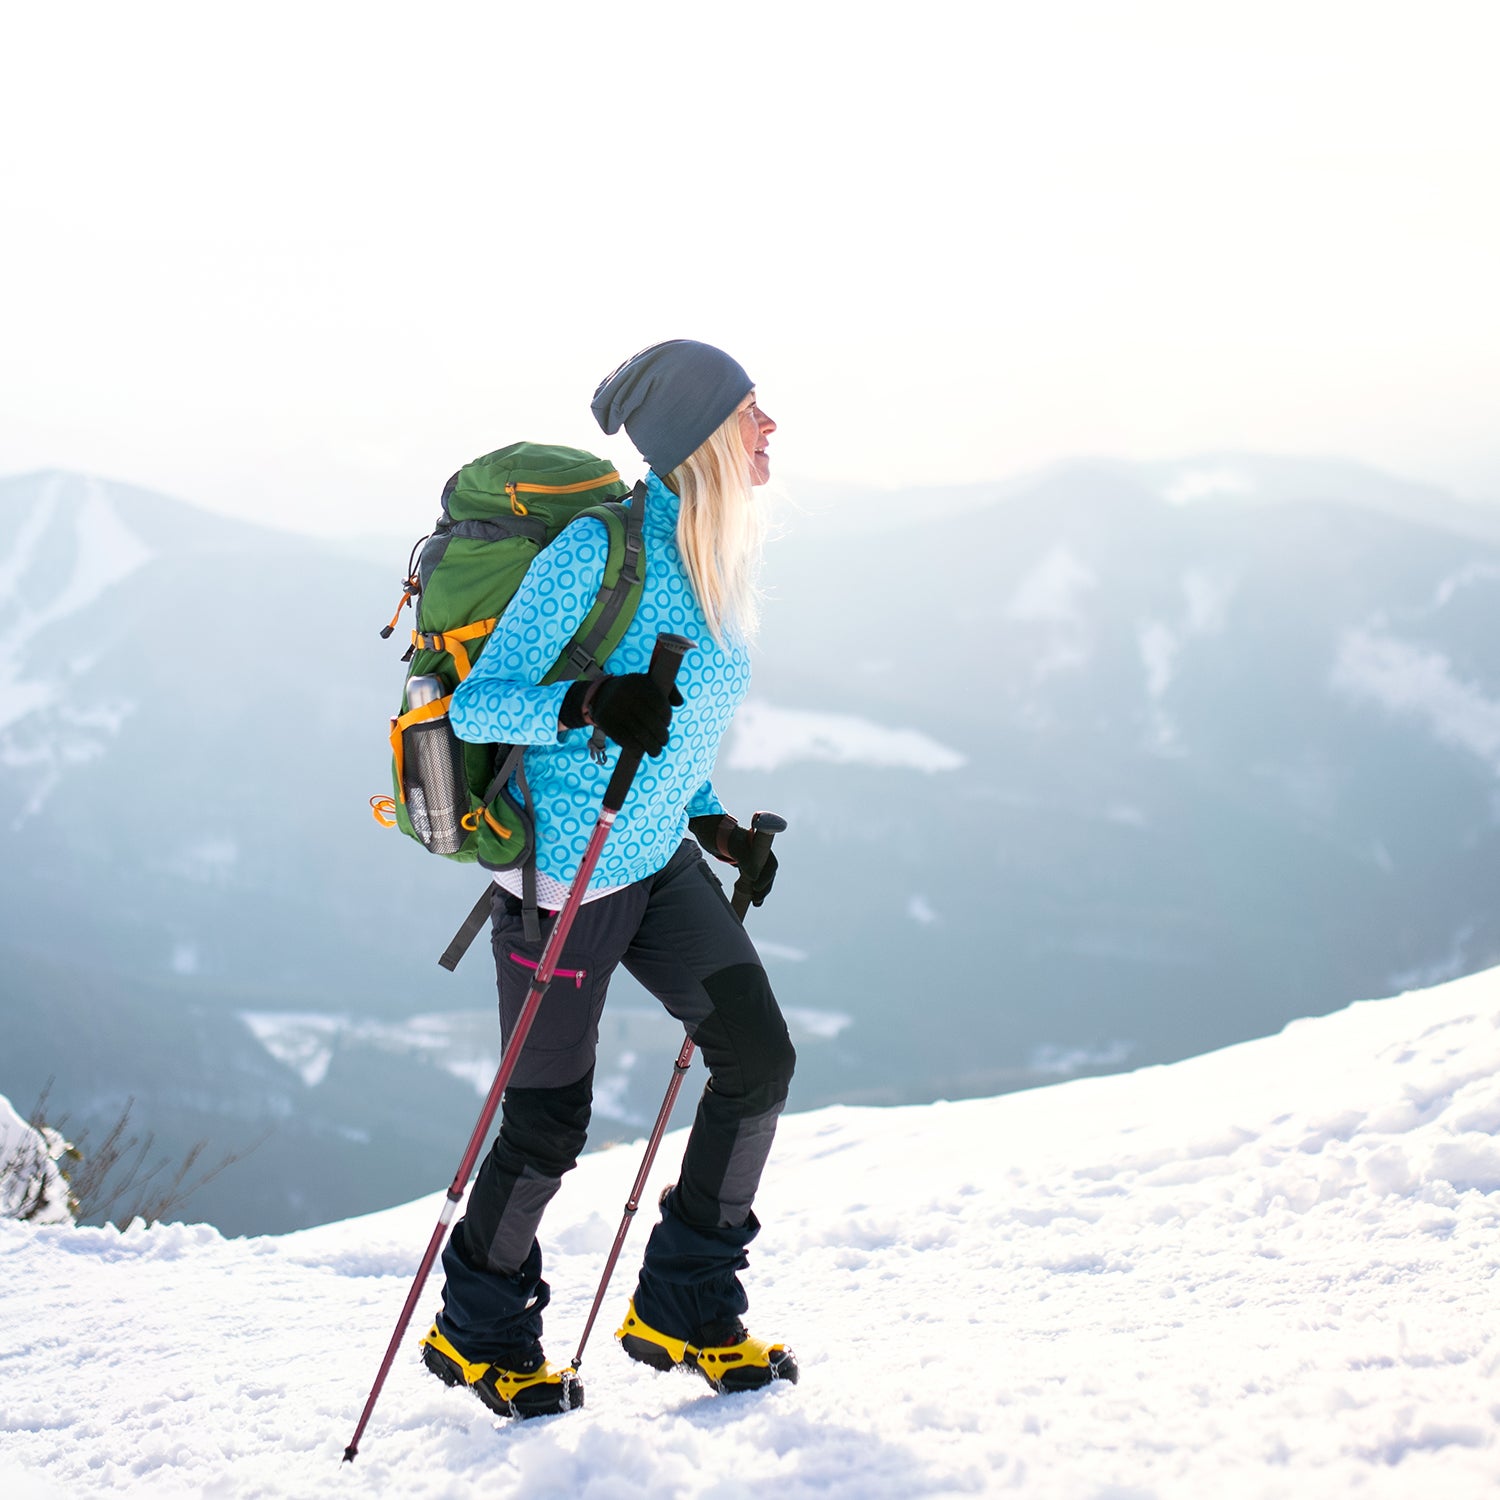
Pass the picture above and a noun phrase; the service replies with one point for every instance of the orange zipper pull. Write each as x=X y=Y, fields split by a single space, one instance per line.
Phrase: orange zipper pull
x=412 y=590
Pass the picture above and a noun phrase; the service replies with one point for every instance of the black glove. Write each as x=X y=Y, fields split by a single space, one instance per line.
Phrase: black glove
x=722 y=837
x=631 y=710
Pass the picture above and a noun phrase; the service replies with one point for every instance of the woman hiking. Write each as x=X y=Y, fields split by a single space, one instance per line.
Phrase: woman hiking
x=653 y=904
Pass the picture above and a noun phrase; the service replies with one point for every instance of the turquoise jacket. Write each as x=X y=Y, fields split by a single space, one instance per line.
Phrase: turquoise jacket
x=500 y=702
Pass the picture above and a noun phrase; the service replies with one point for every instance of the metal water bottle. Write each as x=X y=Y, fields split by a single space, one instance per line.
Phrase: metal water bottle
x=437 y=791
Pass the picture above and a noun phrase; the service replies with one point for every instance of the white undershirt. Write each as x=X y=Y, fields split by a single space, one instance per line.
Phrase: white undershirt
x=550 y=893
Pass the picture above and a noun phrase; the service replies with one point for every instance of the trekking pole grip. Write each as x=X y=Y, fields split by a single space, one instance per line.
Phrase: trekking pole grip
x=666 y=657
x=764 y=826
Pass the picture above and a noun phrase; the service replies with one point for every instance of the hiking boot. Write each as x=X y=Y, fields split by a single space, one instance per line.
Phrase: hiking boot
x=732 y=1362
x=539 y=1391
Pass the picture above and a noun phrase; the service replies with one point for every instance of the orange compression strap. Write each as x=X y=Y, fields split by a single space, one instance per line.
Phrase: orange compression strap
x=452 y=641
x=434 y=710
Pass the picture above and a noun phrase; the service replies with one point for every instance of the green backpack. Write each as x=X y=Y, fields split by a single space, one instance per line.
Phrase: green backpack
x=498 y=513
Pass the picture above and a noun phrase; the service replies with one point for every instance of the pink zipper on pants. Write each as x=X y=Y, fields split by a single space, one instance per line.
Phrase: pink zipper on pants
x=576 y=975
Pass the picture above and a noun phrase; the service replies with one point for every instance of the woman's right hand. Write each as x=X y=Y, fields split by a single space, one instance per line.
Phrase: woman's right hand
x=630 y=709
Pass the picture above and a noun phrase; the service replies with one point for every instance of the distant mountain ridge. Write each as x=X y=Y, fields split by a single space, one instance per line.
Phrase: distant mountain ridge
x=1060 y=759
x=1242 y=478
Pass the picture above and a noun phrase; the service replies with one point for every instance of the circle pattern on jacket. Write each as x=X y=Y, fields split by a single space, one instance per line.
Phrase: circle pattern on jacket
x=500 y=702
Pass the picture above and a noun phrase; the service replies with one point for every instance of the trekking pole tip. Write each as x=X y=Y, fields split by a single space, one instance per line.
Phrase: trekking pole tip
x=349 y=1453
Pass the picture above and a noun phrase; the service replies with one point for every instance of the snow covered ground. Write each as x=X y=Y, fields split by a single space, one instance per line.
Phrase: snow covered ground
x=1266 y=1272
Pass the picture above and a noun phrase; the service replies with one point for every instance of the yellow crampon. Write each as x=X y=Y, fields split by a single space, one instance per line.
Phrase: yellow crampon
x=744 y=1366
x=512 y=1393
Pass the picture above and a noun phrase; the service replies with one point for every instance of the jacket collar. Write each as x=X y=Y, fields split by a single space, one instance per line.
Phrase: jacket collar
x=661 y=504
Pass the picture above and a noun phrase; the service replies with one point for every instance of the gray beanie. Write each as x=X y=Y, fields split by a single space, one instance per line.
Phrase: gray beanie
x=671 y=397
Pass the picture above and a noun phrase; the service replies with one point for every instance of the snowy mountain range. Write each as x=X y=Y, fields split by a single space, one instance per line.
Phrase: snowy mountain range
x=1107 y=767
x=1263 y=1274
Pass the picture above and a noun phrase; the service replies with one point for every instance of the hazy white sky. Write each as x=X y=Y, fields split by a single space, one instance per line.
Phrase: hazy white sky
x=301 y=261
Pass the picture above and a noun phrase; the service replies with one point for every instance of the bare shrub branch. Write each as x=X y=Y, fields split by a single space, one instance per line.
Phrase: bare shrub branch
x=116 y=1181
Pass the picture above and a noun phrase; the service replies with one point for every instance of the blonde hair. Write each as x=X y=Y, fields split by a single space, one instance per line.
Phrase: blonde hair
x=720 y=531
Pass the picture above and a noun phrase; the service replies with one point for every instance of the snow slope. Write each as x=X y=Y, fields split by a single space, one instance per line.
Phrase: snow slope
x=1265 y=1272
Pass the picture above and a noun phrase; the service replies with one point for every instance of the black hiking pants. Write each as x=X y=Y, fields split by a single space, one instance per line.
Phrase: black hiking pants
x=677 y=935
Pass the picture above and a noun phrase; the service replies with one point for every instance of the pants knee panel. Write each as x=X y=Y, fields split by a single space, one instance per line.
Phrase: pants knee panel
x=547 y=1129
x=744 y=1039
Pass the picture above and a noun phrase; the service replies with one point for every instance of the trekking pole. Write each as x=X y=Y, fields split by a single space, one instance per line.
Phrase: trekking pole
x=665 y=659
x=764 y=827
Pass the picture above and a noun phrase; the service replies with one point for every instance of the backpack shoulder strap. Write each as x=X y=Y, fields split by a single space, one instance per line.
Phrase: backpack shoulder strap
x=624 y=573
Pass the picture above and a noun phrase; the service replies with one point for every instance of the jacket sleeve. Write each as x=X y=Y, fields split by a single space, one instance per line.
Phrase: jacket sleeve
x=499 y=702
x=704 y=802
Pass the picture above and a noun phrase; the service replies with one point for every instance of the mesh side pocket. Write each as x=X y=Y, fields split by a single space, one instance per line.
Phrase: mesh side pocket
x=437 y=791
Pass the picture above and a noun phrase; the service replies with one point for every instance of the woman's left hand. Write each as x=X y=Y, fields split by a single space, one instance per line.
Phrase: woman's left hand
x=723 y=837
